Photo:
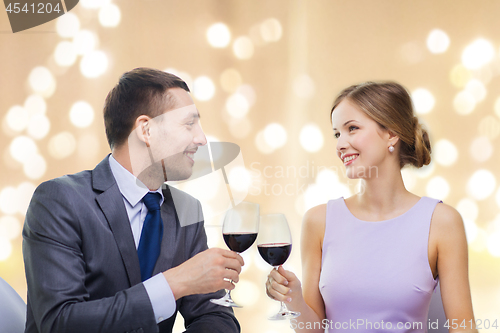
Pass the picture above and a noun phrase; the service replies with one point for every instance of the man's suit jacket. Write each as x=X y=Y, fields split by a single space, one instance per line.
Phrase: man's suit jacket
x=82 y=266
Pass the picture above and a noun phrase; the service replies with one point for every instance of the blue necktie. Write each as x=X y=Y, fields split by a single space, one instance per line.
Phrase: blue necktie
x=151 y=235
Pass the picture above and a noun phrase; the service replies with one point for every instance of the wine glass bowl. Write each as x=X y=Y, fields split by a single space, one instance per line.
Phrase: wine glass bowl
x=275 y=244
x=239 y=230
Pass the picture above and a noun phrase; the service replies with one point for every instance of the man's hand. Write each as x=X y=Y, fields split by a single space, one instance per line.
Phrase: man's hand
x=206 y=272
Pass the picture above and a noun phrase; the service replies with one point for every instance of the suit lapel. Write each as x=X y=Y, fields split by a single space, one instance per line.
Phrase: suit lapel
x=111 y=203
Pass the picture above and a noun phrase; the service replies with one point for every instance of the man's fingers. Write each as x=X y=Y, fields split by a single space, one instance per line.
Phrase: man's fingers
x=232 y=255
x=232 y=264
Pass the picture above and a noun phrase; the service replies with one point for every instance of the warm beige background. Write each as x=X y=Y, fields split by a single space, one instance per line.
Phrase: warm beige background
x=334 y=43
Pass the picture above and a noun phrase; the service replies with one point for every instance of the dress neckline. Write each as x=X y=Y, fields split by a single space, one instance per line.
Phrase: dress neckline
x=389 y=220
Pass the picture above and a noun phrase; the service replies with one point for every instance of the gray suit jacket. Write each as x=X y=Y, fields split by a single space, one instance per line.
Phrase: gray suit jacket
x=82 y=266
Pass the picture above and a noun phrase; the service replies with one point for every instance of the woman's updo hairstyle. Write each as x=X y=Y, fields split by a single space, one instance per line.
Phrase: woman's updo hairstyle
x=390 y=105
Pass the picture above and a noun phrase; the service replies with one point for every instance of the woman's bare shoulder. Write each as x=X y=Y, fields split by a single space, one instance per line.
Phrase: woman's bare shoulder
x=447 y=222
x=313 y=224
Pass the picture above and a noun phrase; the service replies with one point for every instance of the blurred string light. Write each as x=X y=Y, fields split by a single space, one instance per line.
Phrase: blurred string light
x=261 y=144
x=445 y=152
x=425 y=171
x=68 y=25
x=8 y=200
x=423 y=101
x=22 y=148
x=182 y=75
x=249 y=93
x=84 y=41
x=203 y=88
x=5 y=248
x=243 y=48
x=468 y=209
x=311 y=138
x=481 y=149
x=303 y=86
x=39 y=126
x=62 y=145
x=10 y=227
x=438 y=188
x=481 y=184
x=237 y=105
x=239 y=178
x=65 y=54
x=239 y=128
x=471 y=230
x=218 y=35
x=271 y=30
x=496 y=107
x=409 y=178
x=412 y=52
x=480 y=242
x=464 y=102
x=81 y=114
x=494 y=243
x=17 y=118
x=109 y=15
x=497 y=197
x=477 y=89
x=477 y=54
x=42 y=81
x=459 y=76
x=35 y=167
x=93 y=64
x=438 y=41
x=248 y=293
x=35 y=105
x=275 y=135
x=327 y=186
x=230 y=80
x=489 y=126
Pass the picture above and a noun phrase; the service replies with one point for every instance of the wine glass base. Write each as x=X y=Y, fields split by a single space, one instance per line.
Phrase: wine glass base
x=285 y=315
x=227 y=302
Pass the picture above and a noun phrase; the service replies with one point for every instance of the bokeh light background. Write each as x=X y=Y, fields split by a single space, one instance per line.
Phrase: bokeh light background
x=264 y=75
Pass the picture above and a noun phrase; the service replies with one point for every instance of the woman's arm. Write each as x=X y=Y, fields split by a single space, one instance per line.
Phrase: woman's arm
x=284 y=286
x=452 y=265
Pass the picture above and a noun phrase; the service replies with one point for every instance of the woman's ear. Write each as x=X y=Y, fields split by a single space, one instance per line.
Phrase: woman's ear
x=142 y=128
x=393 y=138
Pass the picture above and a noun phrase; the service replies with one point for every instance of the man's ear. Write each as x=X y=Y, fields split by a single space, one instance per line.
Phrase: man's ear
x=142 y=128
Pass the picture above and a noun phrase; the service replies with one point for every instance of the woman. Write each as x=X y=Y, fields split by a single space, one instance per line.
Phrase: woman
x=371 y=262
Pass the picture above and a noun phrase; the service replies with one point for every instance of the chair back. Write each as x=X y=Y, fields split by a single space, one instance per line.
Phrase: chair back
x=12 y=310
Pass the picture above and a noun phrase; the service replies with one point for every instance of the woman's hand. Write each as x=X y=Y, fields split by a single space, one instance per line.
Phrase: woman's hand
x=284 y=286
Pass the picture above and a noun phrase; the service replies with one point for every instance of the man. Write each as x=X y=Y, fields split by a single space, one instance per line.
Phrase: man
x=101 y=255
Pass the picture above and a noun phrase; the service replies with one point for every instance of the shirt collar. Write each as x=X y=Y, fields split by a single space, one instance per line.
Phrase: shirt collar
x=132 y=189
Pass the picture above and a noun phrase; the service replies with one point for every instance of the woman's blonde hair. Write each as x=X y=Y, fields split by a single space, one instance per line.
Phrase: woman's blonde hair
x=390 y=105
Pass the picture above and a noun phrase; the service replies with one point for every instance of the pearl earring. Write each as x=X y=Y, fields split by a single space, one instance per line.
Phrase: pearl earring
x=391 y=148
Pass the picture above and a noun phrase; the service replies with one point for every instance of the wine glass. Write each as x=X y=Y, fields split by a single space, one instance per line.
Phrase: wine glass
x=239 y=230
x=275 y=244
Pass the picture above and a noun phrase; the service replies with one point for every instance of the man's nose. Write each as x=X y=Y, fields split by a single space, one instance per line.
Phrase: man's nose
x=199 y=138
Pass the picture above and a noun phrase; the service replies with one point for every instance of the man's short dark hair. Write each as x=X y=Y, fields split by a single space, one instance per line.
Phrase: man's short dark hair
x=141 y=91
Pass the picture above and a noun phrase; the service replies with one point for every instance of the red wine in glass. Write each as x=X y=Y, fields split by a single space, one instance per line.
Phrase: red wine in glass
x=239 y=242
x=275 y=244
x=275 y=254
x=239 y=230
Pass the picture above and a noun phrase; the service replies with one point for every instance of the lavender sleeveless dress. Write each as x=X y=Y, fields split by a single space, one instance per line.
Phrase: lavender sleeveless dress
x=375 y=276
